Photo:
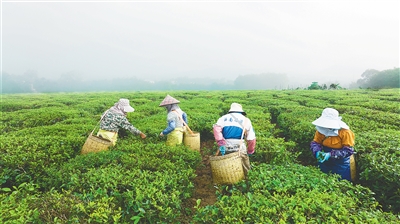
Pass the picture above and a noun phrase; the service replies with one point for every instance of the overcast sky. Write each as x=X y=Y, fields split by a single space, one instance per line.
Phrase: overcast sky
x=306 y=40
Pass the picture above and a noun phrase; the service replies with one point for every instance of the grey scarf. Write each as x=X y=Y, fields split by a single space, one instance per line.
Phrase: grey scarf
x=172 y=107
x=118 y=109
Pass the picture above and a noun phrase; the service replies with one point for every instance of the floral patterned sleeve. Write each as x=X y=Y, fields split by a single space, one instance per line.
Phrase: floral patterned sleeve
x=316 y=144
x=113 y=122
x=125 y=124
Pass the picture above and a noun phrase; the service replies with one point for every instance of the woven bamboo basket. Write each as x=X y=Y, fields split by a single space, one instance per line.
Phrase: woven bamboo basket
x=95 y=144
x=227 y=169
x=353 y=170
x=192 y=140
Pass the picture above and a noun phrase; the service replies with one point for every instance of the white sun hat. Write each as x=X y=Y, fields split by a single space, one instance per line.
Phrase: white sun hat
x=330 y=119
x=124 y=103
x=168 y=100
x=235 y=107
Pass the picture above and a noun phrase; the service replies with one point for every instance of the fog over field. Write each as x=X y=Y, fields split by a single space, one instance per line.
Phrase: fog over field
x=324 y=41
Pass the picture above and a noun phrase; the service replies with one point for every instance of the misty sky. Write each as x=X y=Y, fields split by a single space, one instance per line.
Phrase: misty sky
x=306 y=40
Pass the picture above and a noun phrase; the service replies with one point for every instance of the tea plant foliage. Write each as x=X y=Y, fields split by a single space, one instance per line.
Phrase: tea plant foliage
x=45 y=179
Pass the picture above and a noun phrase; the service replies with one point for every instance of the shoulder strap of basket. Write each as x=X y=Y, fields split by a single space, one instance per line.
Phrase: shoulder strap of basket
x=91 y=133
x=180 y=118
x=241 y=137
x=243 y=128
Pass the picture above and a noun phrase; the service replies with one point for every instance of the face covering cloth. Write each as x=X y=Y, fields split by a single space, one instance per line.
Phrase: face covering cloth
x=327 y=131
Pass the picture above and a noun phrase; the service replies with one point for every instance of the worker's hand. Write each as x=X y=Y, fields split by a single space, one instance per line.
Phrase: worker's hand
x=320 y=156
x=327 y=155
x=161 y=134
x=222 y=149
x=142 y=135
x=323 y=156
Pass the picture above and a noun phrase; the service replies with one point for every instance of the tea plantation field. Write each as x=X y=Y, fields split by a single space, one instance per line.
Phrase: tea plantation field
x=45 y=179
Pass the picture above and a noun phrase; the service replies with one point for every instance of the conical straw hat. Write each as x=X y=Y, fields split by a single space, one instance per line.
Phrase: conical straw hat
x=168 y=100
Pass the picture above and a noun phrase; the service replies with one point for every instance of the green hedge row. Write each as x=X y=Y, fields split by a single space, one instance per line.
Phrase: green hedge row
x=377 y=137
x=293 y=194
x=142 y=180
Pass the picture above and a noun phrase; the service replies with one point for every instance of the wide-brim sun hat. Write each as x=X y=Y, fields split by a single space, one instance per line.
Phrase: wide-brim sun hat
x=124 y=103
x=330 y=119
x=235 y=107
x=168 y=100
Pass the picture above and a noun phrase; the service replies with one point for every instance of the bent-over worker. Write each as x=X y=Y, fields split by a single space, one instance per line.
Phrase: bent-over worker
x=176 y=120
x=333 y=144
x=232 y=131
x=114 y=119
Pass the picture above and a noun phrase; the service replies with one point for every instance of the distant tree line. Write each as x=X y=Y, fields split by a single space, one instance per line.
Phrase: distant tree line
x=375 y=79
x=371 y=78
x=31 y=83
x=315 y=85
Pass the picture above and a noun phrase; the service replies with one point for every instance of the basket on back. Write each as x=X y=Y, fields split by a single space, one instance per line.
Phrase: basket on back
x=95 y=144
x=192 y=140
x=227 y=169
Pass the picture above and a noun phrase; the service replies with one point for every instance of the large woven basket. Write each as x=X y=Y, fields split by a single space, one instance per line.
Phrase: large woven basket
x=192 y=140
x=95 y=144
x=227 y=169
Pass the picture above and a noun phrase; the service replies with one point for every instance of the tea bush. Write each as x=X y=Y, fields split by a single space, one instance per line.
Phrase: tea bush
x=294 y=194
x=44 y=179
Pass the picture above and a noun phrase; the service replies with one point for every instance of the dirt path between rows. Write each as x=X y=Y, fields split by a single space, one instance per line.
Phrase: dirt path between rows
x=204 y=188
x=203 y=185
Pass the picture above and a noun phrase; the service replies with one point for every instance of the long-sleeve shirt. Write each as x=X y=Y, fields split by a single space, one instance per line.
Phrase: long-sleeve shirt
x=342 y=144
x=173 y=121
x=114 y=121
x=230 y=126
x=345 y=138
